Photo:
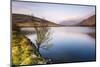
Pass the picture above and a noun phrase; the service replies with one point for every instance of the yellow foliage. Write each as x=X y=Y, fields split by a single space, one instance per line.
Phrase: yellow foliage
x=22 y=50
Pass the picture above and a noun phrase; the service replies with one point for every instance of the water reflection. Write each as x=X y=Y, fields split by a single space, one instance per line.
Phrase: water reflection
x=70 y=44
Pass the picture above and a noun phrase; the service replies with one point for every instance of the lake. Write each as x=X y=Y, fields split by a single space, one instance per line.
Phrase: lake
x=68 y=44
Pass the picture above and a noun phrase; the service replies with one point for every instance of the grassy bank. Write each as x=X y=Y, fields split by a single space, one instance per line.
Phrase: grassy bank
x=24 y=51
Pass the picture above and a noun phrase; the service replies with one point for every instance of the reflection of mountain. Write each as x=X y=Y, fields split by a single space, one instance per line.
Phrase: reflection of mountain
x=92 y=34
x=21 y=20
x=91 y=21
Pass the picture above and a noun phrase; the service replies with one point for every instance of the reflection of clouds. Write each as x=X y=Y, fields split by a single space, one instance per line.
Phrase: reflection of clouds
x=69 y=35
x=77 y=35
x=66 y=32
x=67 y=39
x=69 y=45
x=75 y=29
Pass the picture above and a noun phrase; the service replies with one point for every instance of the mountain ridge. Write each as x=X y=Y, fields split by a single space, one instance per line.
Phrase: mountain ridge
x=90 y=21
x=21 y=20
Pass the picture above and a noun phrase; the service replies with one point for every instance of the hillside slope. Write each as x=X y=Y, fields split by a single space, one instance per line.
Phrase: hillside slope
x=21 y=20
x=24 y=51
x=91 y=21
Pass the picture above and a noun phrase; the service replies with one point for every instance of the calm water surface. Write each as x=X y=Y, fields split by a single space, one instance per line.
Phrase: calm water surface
x=69 y=44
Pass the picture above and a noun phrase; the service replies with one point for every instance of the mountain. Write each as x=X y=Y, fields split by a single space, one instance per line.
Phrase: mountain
x=70 y=22
x=20 y=20
x=90 y=21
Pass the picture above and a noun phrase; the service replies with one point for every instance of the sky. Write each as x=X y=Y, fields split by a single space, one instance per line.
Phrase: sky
x=53 y=12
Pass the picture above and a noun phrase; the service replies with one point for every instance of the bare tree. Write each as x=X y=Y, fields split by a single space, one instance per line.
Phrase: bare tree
x=42 y=34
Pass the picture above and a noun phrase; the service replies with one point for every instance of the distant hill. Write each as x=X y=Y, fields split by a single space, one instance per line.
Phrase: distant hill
x=91 y=21
x=70 y=22
x=20 y=20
